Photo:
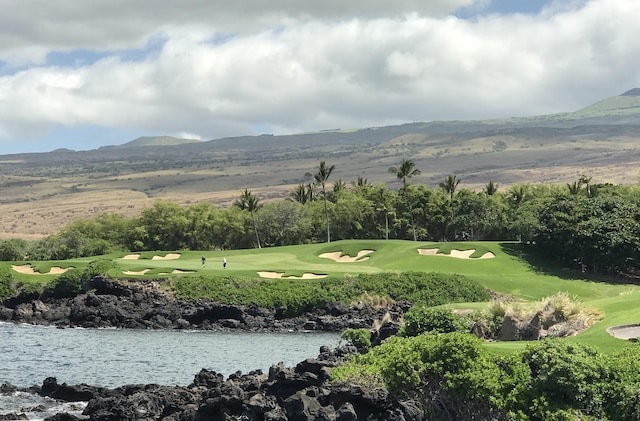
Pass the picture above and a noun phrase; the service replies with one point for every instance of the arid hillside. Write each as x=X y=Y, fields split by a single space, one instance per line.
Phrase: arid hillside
x=43 y=191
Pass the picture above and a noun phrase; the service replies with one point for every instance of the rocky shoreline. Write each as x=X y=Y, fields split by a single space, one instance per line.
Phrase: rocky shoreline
x=107 y=303
x=303 y=392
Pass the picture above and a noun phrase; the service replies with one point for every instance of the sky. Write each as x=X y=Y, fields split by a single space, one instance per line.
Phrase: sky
x=84 y=74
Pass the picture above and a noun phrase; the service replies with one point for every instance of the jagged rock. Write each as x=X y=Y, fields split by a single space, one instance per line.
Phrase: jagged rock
x=143 y=305
x=67 y=393
x=12 y=416
x=62 y=416
x=301 y=406
x=509 y=330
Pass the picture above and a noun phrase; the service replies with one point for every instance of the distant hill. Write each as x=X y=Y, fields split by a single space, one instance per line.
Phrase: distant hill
x=41 y=191
x=154 y=141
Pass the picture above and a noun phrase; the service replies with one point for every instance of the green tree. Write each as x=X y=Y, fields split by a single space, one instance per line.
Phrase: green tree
x=250 y=202
x=321 y=177
x=13 y=249
x=303 y=193
x=449 y=185
x=404 y=172
x=491 y=188
x=283 y=222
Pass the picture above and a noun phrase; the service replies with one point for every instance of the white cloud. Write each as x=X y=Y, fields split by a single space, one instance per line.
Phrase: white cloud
x=347 y=64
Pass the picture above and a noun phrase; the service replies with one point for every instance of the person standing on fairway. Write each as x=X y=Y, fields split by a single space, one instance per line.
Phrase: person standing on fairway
x=224 y=262
x=204 y=260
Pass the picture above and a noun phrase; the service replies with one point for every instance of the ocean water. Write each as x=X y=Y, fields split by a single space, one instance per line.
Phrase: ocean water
x=113 y=357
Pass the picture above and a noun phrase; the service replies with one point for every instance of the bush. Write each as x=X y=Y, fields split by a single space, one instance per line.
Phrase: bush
x=68 y=284
x=97 y=267
x=360 y=338
x=13 y=249
x=308 y=294
x=421 y=319
x=6 y=278
x=566 y=376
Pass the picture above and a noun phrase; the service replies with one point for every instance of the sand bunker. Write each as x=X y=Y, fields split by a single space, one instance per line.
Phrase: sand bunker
x=131 y=257
x=338 y=257
x=28 y=270
x=625 y=331
x=170 y=256
x=130 y=272
x=279 y=275
x=175 y=271
x=459 y=254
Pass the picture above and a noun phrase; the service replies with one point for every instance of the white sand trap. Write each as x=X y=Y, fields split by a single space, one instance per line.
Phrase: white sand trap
x=28 y=270
x=278 y=275
x=458 y=254
x=170 y=256
x=624 y=331
x=175 y=271
x=130 y=272
x=131 y=257
x=428 y=252
x=338 y=257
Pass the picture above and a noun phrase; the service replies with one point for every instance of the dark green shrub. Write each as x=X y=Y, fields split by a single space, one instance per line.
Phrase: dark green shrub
x=360 y=338
x=68 y=284
x=97 y=267
x=421 y=319
x=299 y=295
x=13 y=249
x=565 y=376
x=6 y=278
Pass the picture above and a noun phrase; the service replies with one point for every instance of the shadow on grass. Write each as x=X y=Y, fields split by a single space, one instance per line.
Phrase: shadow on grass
x=544 y=265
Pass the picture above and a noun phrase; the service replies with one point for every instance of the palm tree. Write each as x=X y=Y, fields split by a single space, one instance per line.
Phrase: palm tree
x=491 y=188
x=450 y=184
x=248 y=201
x=361 y=184
x=404 y=172
x=518 y=194
x=303 y=193
x=574 y=188
x=586 y=181
x=321 y=177
x=339 y=187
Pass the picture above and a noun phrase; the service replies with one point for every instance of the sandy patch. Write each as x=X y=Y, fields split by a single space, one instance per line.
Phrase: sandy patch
x=175 y=271
x=278 y=275
x=131 y=257
x=625 y=331
x=170 y=256
x=337 y=256
x=458 y=254
x=130 y=272
x=28 y=270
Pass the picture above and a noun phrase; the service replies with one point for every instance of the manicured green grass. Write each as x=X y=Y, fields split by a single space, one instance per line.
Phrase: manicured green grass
x=512 y=271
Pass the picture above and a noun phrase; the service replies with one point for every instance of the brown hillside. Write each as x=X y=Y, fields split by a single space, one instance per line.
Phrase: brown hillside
x=41 y=192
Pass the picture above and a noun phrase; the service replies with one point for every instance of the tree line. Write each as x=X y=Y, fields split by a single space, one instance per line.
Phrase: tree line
x=593 y=226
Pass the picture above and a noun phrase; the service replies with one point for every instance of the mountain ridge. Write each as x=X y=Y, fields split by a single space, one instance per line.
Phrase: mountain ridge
x=42 y=191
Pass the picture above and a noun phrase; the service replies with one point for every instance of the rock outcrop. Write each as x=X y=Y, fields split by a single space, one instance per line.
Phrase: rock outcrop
x=303 y=392
x=144 y=305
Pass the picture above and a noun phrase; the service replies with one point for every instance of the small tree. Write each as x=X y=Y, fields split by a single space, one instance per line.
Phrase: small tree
x=250 y=203
x=404 y=172
x=321 y=177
